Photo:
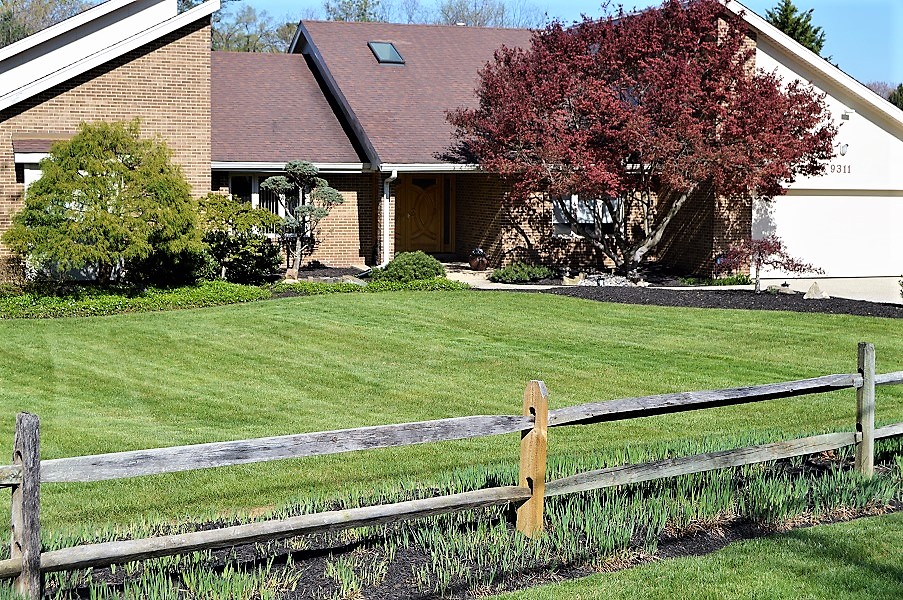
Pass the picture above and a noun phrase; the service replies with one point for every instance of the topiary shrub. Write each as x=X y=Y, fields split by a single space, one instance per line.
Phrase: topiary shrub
x=410 y=266
x=520 y=272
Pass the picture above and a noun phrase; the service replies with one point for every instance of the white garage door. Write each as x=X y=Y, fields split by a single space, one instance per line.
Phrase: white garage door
x=846 y=236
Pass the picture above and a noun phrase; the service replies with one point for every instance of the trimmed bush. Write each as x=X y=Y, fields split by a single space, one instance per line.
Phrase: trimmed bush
x=520 y=272
x=231 y=234
x=410 y=266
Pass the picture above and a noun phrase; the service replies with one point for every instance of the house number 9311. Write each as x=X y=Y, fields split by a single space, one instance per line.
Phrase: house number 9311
x=841 y=169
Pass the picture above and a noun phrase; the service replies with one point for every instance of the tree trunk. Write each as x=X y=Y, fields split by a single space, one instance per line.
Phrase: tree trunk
x=635 y=256
x=296 y=264
x=104 y=274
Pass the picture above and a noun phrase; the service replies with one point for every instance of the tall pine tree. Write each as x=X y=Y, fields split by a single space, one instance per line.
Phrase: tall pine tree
x=896 y=97
x=798 y=25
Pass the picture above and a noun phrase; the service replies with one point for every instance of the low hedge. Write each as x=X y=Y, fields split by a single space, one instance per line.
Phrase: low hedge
x=86 y=301
x=307 y=288
x=520 y=272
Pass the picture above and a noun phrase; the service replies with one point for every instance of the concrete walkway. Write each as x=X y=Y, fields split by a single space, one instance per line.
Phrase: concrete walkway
x=872 y=289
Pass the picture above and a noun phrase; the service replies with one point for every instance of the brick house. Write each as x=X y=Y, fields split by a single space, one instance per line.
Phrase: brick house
x=376 y=126
x=366 y=103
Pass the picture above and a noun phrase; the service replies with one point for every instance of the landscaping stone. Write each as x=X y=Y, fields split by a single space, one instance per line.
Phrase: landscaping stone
x=815 y=293
x=606 y=281
x=578 y=280
x=354 y=280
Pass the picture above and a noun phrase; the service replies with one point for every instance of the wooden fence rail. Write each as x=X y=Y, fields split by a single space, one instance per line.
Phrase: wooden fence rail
x=28 y=472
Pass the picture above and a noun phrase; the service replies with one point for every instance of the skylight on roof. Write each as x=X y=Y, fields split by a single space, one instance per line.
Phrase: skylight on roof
x=386 y=53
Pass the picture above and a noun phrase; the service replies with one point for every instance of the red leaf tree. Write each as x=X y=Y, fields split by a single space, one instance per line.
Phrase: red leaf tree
x=767 y=252
x=637 y=111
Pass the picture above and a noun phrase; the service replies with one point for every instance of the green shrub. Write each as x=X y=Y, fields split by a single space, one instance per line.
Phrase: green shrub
x=520 y=272
x=230 y=233
x=247 y=257
x=437 y=284
x=314 y=288
x=410 y=266
x=134 y=210
x=728 y=280
x=83 y=301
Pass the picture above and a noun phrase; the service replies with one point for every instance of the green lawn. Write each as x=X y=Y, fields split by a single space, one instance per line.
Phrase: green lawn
x=845 y=561
x=133 y=381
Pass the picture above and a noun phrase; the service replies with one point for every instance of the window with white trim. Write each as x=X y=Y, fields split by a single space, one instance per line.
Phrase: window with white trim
x=591 y=214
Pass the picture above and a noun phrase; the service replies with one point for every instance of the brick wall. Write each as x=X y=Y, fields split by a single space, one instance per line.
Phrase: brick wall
x=347 y=235
x=165 y=83
x=509 y=232
x=707 y=225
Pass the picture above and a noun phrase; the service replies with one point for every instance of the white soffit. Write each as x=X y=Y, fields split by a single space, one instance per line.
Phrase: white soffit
x=818 y=64
x=279 y=167
x=29 y=157
x=87 y=40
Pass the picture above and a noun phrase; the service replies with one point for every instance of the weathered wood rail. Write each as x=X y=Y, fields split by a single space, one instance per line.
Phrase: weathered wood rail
x=27 y=472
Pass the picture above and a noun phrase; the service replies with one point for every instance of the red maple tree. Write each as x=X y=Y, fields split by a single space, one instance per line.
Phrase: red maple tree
x=766 y=252
x=637 y=111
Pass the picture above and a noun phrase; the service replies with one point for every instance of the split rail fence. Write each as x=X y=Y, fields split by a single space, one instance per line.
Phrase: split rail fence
x=25 y=476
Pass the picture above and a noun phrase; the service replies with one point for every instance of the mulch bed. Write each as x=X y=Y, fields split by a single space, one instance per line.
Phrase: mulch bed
x=318 y=271
x=735 y=299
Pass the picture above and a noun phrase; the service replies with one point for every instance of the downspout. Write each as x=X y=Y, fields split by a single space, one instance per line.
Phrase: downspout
x=387 y=215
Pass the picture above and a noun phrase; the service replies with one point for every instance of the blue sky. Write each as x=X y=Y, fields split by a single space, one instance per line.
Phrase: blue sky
x=864 y=37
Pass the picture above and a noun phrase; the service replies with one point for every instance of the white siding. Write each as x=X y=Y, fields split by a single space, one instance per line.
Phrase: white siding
x=849 y=221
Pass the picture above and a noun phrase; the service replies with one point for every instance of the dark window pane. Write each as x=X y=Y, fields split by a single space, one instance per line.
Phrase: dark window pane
x=240 y=185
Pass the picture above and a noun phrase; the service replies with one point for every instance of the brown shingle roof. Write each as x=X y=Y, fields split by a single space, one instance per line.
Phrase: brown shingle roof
x=37 y=143
x=269 y=108
x=402 y=107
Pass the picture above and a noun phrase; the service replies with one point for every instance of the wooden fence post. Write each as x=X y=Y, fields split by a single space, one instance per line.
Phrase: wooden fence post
x=533 y=449
x=26 y=507
x=865 y=411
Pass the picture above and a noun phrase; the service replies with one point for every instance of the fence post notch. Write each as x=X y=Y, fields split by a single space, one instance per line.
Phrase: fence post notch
x=865 y=411
x=25 y=508
x=533 y=451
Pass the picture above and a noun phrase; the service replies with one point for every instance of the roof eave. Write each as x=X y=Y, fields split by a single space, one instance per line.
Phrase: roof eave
x=109 y=53
x=429 y=167
x=279 y=166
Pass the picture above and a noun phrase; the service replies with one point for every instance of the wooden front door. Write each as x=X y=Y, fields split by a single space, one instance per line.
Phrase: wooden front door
x=423 y=216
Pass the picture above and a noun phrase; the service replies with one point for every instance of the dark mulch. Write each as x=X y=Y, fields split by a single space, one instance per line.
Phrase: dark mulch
x=318 y=271
x=736 y=299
